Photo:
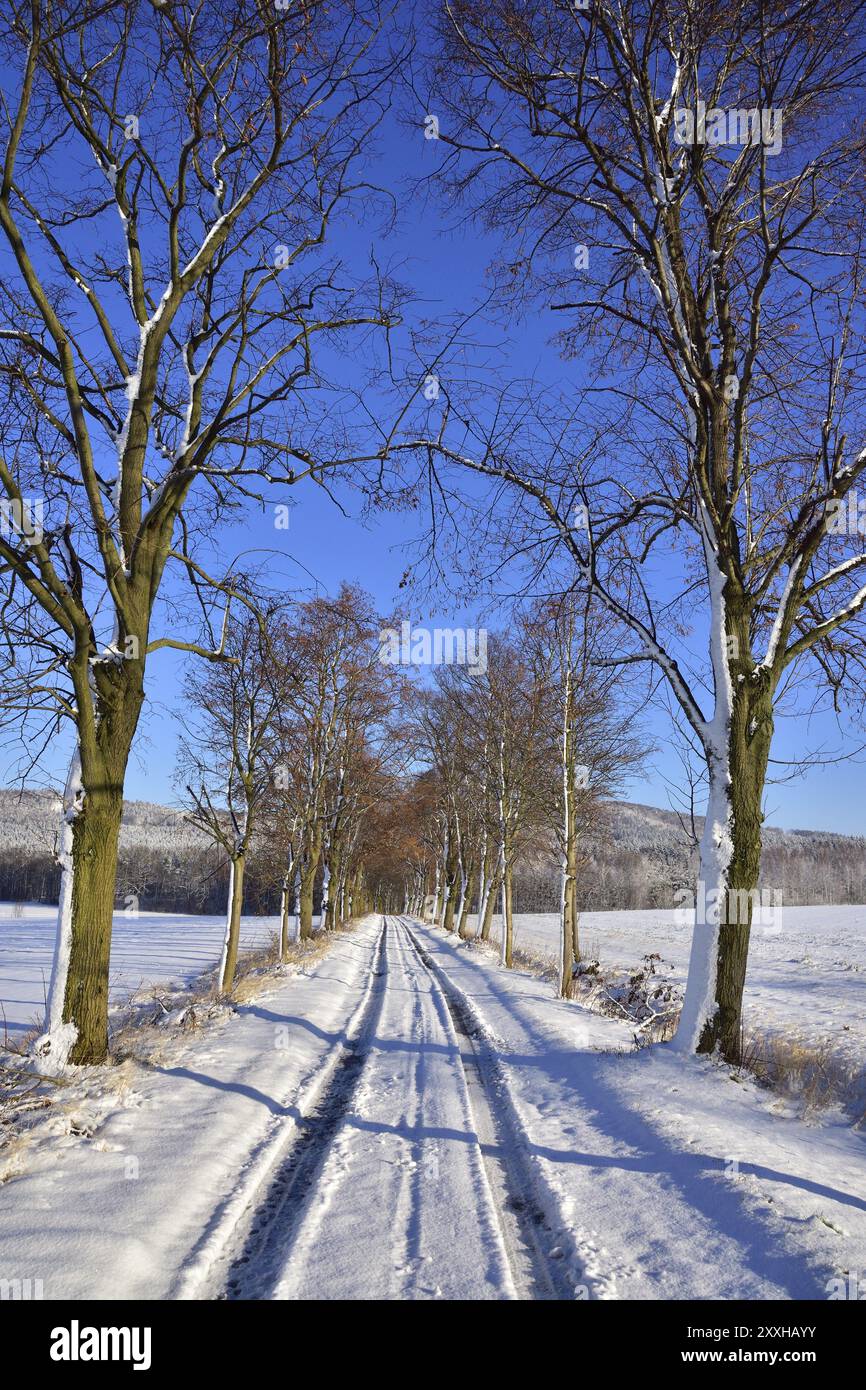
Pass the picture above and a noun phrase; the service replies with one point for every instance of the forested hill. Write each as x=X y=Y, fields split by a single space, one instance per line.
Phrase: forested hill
x=639 y=859
x=644 y=854
x=28 y=824
x=168 y=864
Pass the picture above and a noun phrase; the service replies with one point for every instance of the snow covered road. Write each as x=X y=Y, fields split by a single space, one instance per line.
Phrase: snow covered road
x=404 y=1119
x=406 y=1161
x=402 y=1177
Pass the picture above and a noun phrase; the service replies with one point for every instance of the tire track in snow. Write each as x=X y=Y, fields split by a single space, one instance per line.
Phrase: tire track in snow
x=252 y=1241
x=267 y=1251
x=404 y=1210
x=430 y=1113
x=539 y=1271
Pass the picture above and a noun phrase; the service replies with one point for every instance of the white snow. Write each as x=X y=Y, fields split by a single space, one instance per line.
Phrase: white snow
x=806 y=977
x=668 y=1179
x=149 y=949
x=644 y=1175
x=167 y=1149
x=404 y=1175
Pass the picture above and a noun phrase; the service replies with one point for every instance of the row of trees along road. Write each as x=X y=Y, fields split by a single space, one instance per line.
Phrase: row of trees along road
x=170 y=174
x=290 y=744
x=517 y=759
x=711 y=284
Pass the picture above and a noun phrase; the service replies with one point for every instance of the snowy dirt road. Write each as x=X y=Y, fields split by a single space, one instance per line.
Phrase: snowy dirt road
x=404 y=1159
x=403 y=1119
x=480 y=1139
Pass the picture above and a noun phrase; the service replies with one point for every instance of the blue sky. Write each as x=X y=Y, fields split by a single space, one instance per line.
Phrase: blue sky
x=444 y=263
x=446 y=269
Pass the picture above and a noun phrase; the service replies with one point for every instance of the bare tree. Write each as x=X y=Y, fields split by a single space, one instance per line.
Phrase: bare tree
x=485 y=737
x=683 y=182
x=336 y=743
x=228 y=753
x=592 y=731
x=169 y=176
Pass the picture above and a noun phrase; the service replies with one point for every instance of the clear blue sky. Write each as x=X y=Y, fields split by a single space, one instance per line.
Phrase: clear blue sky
x=445 y=268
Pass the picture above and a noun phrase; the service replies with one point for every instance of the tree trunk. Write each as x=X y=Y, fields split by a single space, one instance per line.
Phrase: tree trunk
x=486 y=916
x=284 y=915
x=229 y=961
x=353 y=905
x=730 y=864
x=468 y=894
x=307 y=880
x=568 y=953
x=109 y=697
x=570 y=938
x=442 y=894
x=309 y=868
x=79 y=993
x=483 y=885
x=451 y=864
x=460 y=904
x=448 y=915
x=334 y=915
x=566 y=972
x=325 y=903
x=507 y=919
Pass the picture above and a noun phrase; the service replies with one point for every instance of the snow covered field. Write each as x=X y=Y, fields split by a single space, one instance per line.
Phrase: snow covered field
x=153 y=948
x=404 y=1119
x=807 y=978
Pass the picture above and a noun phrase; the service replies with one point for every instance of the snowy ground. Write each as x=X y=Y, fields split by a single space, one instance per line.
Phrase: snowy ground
x=152 y=948
x=405 y=1119
x=808 y=977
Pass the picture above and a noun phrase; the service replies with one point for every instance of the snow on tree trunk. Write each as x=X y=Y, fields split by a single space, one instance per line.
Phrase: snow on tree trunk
x=323 y=909
x=489 y=906
x=483 y=894
x=567 y=953
x=483 y=882
x=466 y=903
x=737 y=744
x=566 y=965
x=461 y=901
x=507 y=944
x=450 y=884
x=78 y=999
x=700 y=1003
x=448 y=907
x=284 y=916
x=503 y=944
x=59 y=1037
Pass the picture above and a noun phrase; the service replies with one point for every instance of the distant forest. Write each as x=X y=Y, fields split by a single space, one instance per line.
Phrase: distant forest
x=639 y=860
